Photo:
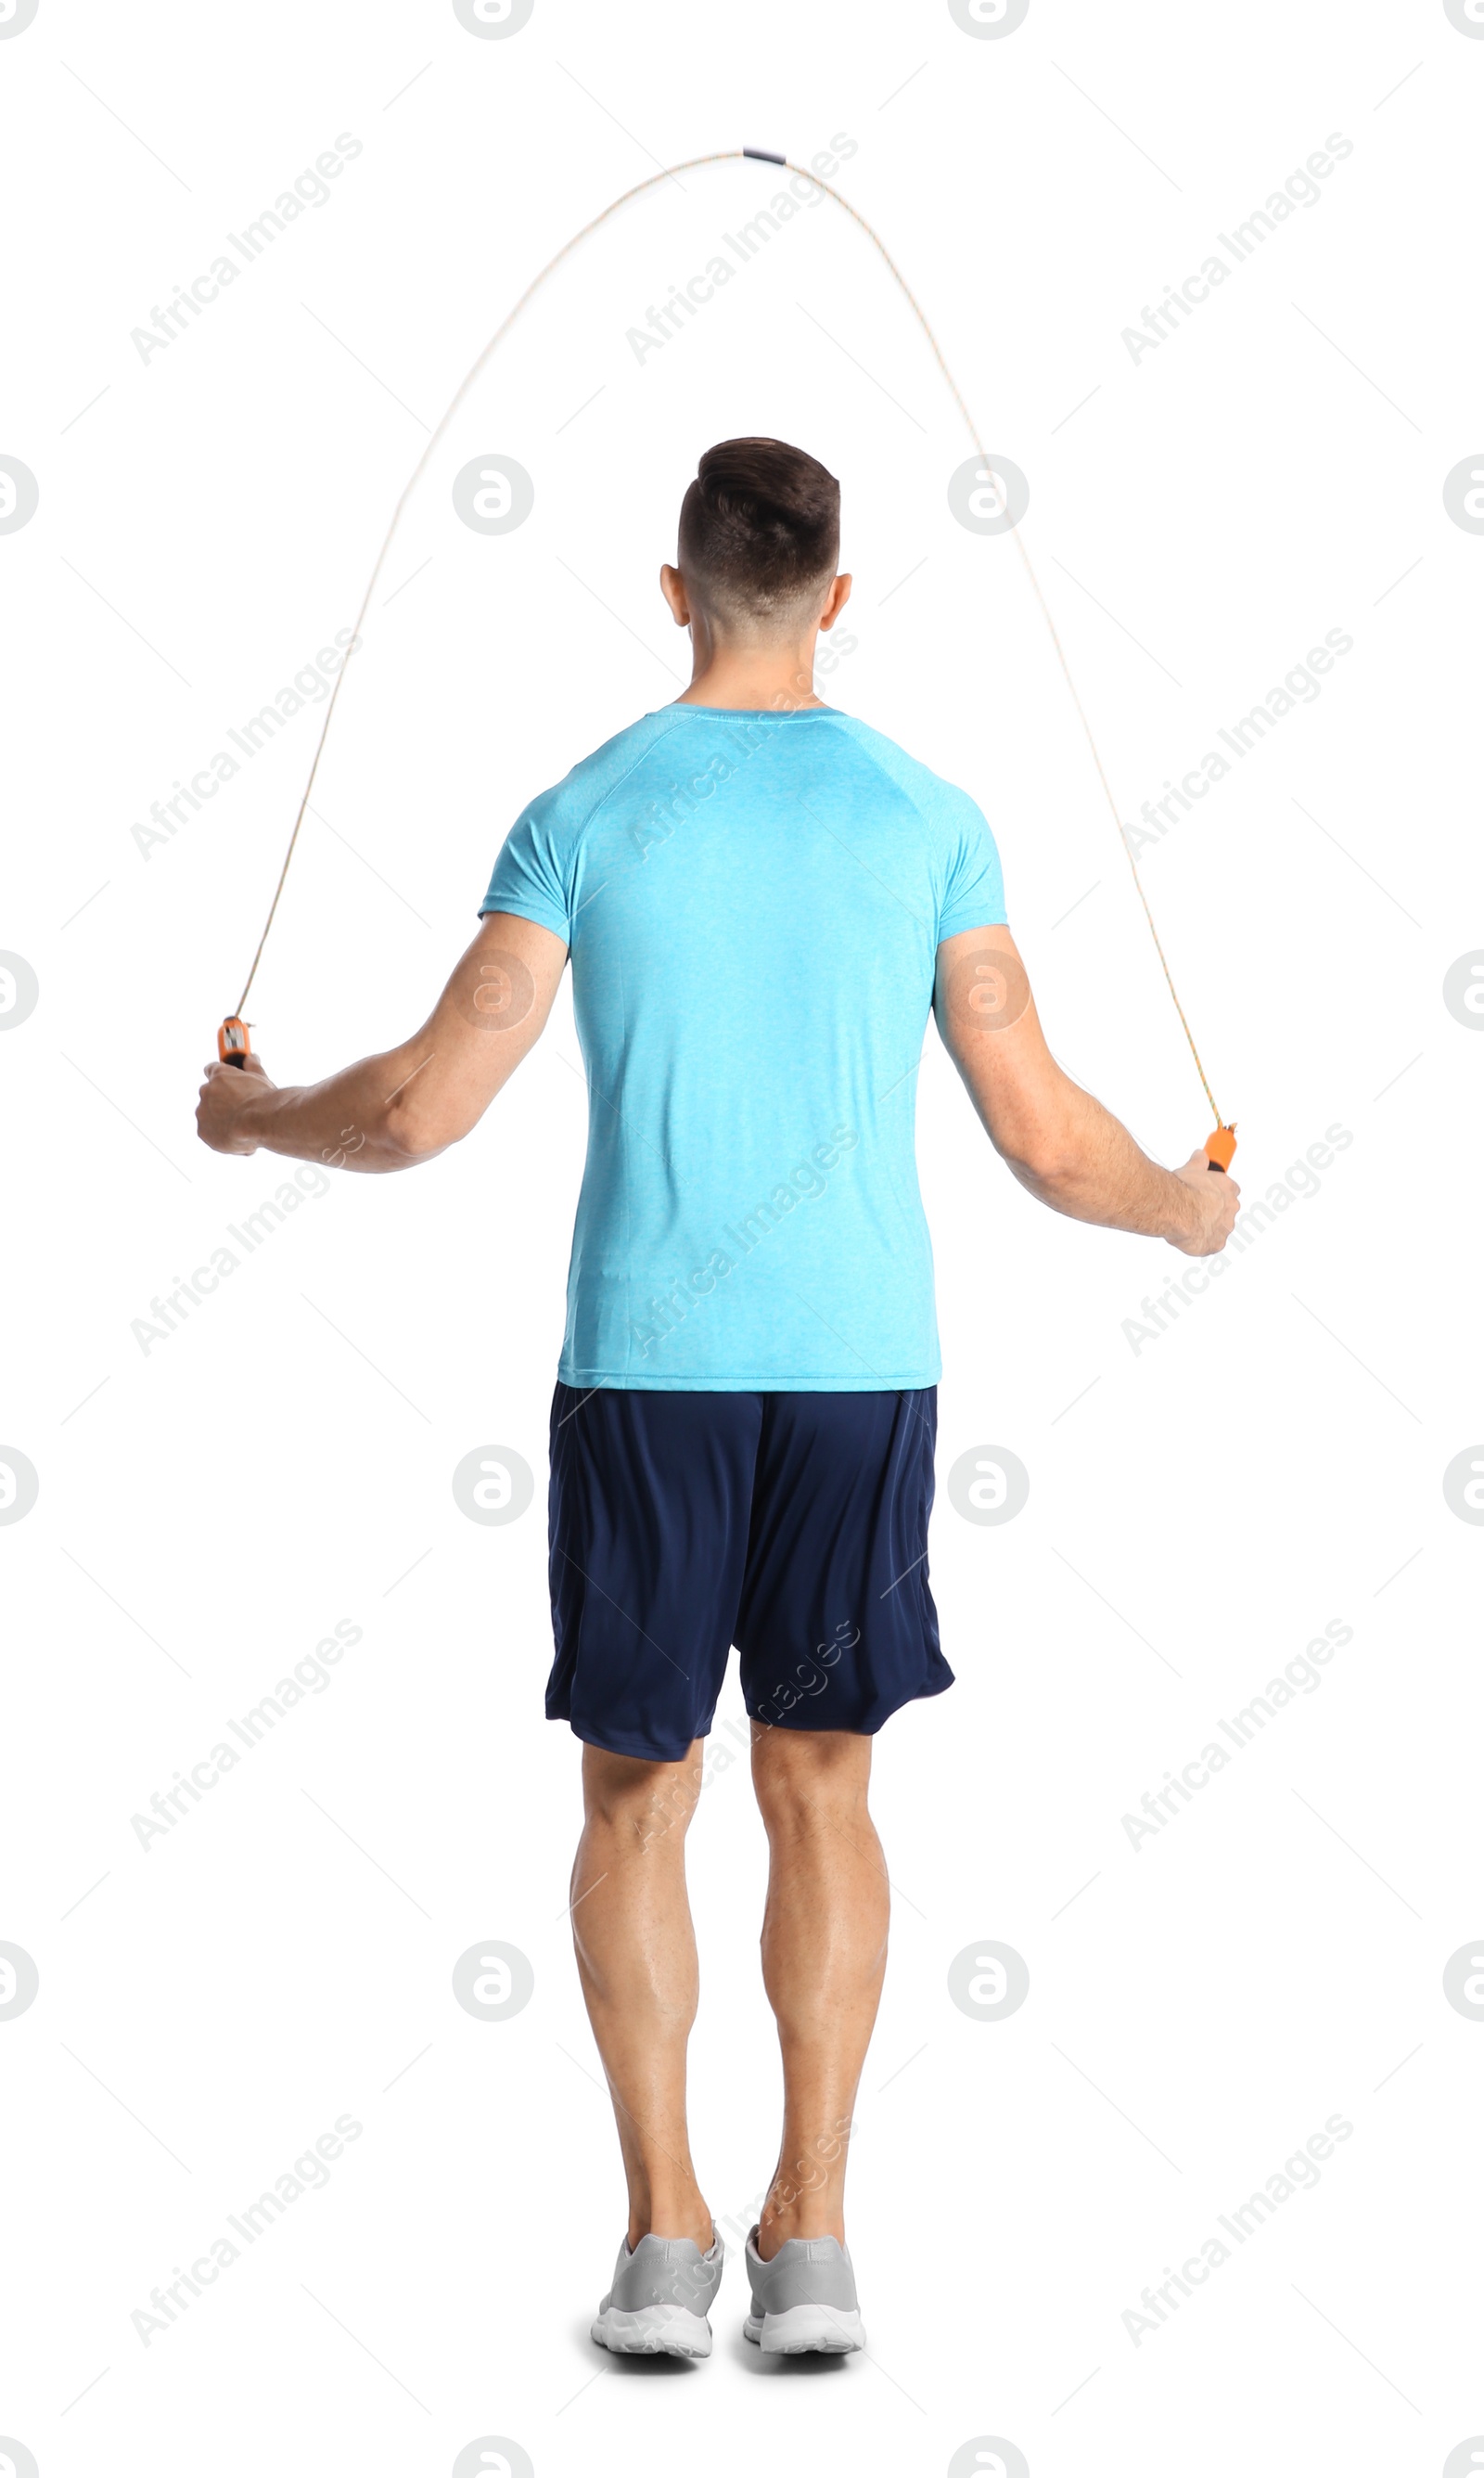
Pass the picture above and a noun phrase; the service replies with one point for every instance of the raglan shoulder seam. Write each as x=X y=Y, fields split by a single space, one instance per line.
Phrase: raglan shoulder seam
x=603 y=799
x=886 y=772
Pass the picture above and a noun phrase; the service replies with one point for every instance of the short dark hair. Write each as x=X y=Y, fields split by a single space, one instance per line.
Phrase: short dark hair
x=760 y=529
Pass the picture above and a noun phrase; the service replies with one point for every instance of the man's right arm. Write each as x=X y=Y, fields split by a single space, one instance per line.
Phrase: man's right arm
x=1060 y=1142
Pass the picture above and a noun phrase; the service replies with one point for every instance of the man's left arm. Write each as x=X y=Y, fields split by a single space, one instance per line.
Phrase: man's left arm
x=406 y=1105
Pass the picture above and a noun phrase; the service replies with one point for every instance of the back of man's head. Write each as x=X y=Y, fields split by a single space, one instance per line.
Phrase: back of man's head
x=759 y=536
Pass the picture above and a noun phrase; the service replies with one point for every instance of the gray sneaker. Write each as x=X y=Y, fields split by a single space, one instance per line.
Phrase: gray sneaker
x=804 y=2298
x=660 y=2298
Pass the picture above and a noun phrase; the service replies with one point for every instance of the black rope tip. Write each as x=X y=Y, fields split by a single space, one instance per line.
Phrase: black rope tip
x=760 y=154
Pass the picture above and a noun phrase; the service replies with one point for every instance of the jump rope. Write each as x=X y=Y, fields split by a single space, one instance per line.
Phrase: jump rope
x=232 y=1042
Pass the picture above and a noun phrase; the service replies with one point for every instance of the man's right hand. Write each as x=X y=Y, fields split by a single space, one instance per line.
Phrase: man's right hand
x=1215 y=1200
x=1060 y=1142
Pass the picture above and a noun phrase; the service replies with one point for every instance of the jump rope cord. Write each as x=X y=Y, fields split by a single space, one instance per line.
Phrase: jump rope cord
x=729 y=155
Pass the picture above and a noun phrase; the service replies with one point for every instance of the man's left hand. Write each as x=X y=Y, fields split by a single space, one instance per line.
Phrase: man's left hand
x=226 y=1095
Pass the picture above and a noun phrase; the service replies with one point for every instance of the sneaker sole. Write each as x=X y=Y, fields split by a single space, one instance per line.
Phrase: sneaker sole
x=832 y=2331
x=653 y=2331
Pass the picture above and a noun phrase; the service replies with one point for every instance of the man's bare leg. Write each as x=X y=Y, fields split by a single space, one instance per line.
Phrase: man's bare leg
x=825 y=1949
x=635 y=1954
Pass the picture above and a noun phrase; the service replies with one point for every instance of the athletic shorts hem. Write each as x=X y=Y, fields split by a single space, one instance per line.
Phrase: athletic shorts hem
x=643 y=1753
x=806 y=1722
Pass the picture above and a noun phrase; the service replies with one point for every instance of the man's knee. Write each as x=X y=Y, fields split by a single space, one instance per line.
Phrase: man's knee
x=643 y=1801
x=807 y=1778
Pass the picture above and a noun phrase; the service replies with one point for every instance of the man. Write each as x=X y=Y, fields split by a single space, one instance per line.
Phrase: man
x=762 y=899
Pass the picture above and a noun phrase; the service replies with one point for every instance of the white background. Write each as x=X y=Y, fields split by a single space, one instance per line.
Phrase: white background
x=1200 y=1507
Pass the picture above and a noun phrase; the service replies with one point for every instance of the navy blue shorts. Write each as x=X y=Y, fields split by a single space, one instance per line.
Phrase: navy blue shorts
x=792 y=1525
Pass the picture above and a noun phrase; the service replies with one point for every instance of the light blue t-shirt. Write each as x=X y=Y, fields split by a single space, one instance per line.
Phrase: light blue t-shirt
x=753 y=903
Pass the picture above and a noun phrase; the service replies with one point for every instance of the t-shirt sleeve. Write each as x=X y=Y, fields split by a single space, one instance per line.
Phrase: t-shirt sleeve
x=974 y=895
x=529 y=876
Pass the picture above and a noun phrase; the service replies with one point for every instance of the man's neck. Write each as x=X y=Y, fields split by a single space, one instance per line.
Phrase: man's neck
x=762 y=678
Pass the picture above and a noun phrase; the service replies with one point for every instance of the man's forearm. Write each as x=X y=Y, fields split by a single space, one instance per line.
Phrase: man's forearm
x=349 y=1121
x=1094 y=1172
x=410 y=1103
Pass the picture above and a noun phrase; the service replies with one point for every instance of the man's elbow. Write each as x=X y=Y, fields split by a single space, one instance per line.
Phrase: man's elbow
x=1040 y=1157
x=411 y=1132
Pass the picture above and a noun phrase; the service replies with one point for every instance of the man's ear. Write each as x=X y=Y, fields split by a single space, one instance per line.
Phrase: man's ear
x=673 y=586
x=835 y=601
